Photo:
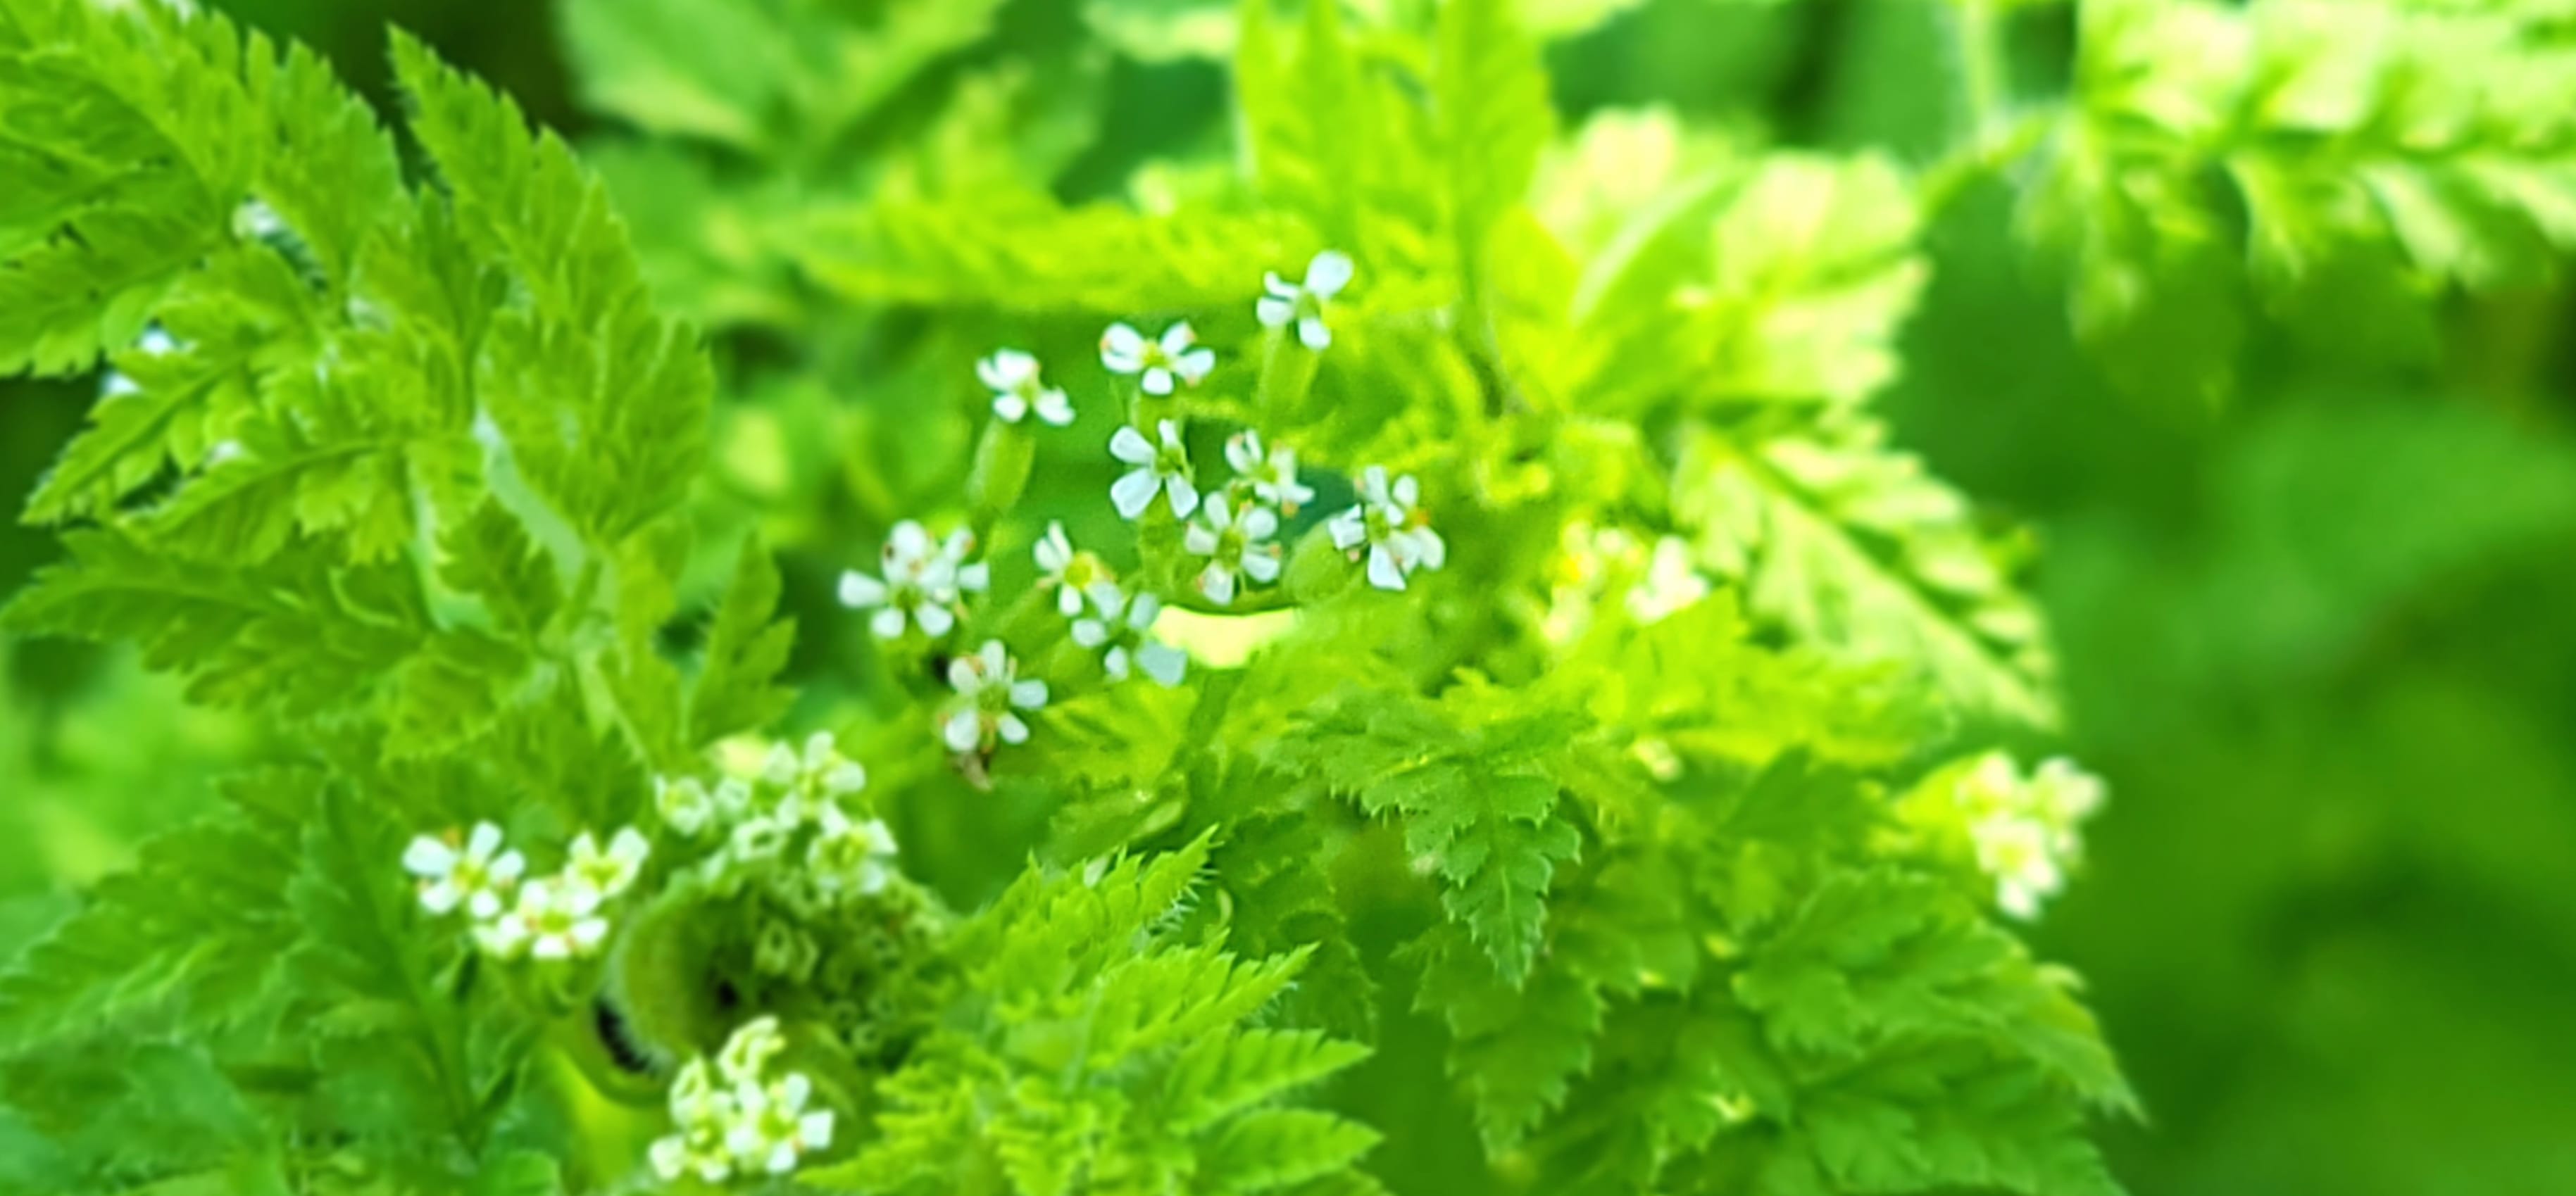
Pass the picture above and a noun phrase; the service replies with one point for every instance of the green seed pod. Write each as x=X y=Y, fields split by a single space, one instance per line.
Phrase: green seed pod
x=1001 y=472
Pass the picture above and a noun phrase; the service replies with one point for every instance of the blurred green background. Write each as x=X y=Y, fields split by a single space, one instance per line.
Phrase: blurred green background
x=2319 y=641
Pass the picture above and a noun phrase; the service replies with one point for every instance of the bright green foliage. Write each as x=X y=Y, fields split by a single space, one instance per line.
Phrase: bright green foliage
x=1108 y=1048
x=2360 y=158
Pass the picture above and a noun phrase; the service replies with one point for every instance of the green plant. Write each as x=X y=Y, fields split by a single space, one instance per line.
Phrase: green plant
x=1565 y=731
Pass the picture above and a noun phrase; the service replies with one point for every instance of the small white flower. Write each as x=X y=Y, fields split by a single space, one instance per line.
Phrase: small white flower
x=683 y=804
x=1126 y=628
x=759 y=837
x=702 y=1111
x=605 y=874
x=849 y=853
x=1398 y=535
x=1273 y=476
x=920 y=583
x=772 y=1130
x=472 y=876
x=987 y=691
x=809 y=779
x=1013 y=378
x=1671 y=583
x=503 y=936
x=1234 y=548
x=1303 y=304
x=1165 y=467
x=1066 y=571
x=747 y=1052
x=1126 y=351
x=2016 y=852
x=156 y=342
x=562 y=919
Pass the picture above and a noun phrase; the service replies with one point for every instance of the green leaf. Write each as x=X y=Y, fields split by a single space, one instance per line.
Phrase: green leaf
x=1273 y=1148
x=1490 y=93
x=737 y=687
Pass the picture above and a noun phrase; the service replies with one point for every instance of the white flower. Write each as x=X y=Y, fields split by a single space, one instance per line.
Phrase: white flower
x=1234 y=548
x=758 y=838
x=605 y=874
x=1273 y=475
x=1013 y=377
x=851 y=853
x=2016 y=852
x=1165 y=467
x=473 y=876
x=1303 y=304
x=1399 y=537
x=772 y=1130
x=987 y=690
x=1066 y=571
x=811 y=778
x=747 y=1052
x=684 y=804
x=1670 y=584
x=1126 y=351
x=971 y=577
x=1126 y=628
x=921 y=581
x=562 y=919
x=504 y=936
x=702 y=1111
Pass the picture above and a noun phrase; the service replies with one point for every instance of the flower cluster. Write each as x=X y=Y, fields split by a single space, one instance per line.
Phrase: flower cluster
x=788 y=826
x=1392 y=526
x=1017 y=393
x=1653 y=581
x=2026 y=831
x=989 y=696
x=551 y=917
x=738 y=1114
x=921 y=585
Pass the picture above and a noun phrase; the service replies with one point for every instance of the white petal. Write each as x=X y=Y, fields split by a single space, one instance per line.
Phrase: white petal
x=1028 y=695
x=1273 y=312
x=1115 y=663
x=1053 y=551
x=1243 y=451
x=1129 y=445
x=815 y=1130
x=482 y=842
x=1178 y=338
x=909 y=542
x=1312 y=333
x=1272 y=283
x=1196 y=365
x=887 y=623
x=1144 y=611
x=1329 y=273
x=1184 y=496
x=587 y=933
x=1123 y=340
x=1107 y=596
x=859 y=589
x=1199 y=538
x=508 y=867
x=996 y=658
x=1158 y=381
x=1348 y=529
x=1010 y=408
x=1068 y=600
x=1011 y=728
x=845 y=777
x=1430 y=548
x=961 y=731
x=1373 y=484
x=1263 y=566
x=443 y=896
x=428 y=855
x=1260 y=523
x=1055 y=409
x=963 y=676
x=1090 y=633
x=1162 y=662
x=1133 y=492
x=935 y=619
x=1407 y=492
x=975 y=578
x=1217 y=582
x=782 y=1158
x=1383 y=572
x=629 y=846
x=552 y=946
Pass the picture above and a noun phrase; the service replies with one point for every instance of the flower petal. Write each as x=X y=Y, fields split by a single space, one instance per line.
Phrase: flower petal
x=1329 y=273
x=1068 y=601
x=961 y=731
x=1010 y=408
x=1260 y=523
x=1028 y=695
x=1129 y=445
x=1383 y=570
x=935 y=619
x=1217 y=582
x=1184 y=496
x=859 y=589
x=1055 y=409
x=1053 y=551
x=1199 y=538
x=887 y=623
x=1115 y=663
x=1158 y=381
x=429 y=855
x=1178 y=338
x=482 y=841
x=1263 y=566
x=1011 y=728
x=1273 y=312
x=1196 y=365
x=1348 y=529
x=1090 y=633
x=1133 y=492
x=1162 y=662
x=1312 y=333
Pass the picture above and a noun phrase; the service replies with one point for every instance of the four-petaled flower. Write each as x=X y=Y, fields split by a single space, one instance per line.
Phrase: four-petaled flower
x=1303 y=303
x=471 y=875
x=1398 y=535
x=849 y=853
x=1065 y=570
x=1017 y=392
x=603 y=874
x=1234 y=548
x=772 y=1130
x=1126 y=626
x=988 y=689
x=558 y=920
x=810 y=779
x=921 y=581
x=1126 y=351
x=1272 y=476
x=1165 y=467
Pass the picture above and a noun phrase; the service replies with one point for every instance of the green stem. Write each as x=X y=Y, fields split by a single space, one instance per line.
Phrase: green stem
x=1981 y=65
